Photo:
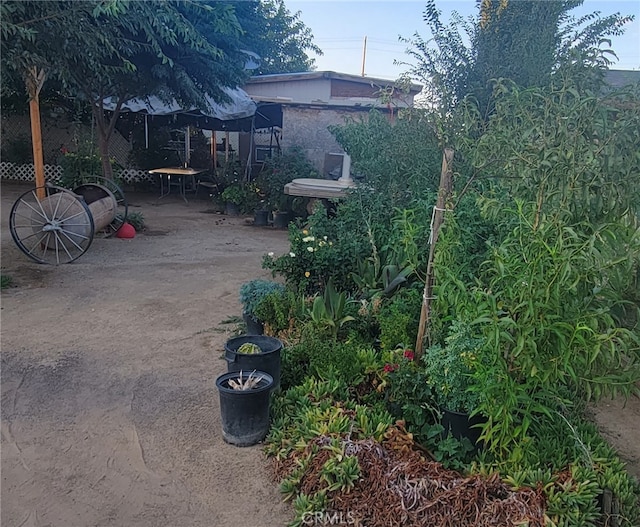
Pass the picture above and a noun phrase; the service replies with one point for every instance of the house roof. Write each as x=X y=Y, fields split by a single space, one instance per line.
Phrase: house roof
x=621 y=78
x=310 y=75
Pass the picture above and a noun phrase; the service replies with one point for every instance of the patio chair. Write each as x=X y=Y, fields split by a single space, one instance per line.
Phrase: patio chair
x=207 y=182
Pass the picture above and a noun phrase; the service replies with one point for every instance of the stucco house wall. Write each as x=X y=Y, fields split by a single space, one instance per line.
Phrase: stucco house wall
x=307 y=127
x=312 y=101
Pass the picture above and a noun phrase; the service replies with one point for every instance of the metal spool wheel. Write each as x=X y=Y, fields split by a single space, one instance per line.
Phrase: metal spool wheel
x=54 y=228
x=121 y=203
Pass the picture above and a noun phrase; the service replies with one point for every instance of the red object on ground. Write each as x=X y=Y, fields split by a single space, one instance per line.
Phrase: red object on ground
x=126 y=230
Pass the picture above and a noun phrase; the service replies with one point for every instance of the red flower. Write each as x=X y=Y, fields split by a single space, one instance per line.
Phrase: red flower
x=388 y=368
x=409 y=355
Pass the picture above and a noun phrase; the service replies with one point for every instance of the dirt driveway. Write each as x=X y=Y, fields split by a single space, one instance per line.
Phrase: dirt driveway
x=109 y=410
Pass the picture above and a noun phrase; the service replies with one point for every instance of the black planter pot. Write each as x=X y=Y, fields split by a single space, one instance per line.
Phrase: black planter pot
x=254 y=326
x=281 y=219
x=244 y=413
x=231 y=209
x=460 y=425
x=267 y=361
x=261 y=218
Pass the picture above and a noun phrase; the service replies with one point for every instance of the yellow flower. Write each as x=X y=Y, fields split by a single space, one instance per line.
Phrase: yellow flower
x=307 y=274
x=305 y=232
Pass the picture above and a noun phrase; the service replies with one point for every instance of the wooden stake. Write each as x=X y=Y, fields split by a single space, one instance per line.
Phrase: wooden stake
x=444 y=191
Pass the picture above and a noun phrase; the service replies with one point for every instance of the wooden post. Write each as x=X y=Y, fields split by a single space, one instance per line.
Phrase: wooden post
x=444 y=191
x=35 y=80
x=214 y=149
x=187 y=147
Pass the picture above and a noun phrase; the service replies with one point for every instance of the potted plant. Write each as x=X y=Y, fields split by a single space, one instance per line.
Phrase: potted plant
x=244 y=406
x=282 y=211
x=450 y=373
x=251 y=294
x=254 y=352
x=261 y=214
x=276 y=173
x=233 y=197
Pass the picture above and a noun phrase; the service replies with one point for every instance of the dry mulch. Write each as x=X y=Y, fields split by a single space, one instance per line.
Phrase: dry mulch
x=400 y=485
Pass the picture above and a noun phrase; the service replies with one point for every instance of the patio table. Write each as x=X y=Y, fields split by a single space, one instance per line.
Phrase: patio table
x=180 y=173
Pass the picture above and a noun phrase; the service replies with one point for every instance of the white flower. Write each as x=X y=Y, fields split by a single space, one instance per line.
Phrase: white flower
x=293 y=255
x=310 y=249
x=270 y=254
x=308 y=239
x=325 y=238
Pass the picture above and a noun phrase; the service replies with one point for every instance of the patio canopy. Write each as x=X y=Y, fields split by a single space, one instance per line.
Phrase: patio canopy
x=219 y=116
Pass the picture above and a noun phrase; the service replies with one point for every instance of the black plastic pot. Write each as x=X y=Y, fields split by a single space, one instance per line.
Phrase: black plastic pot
x=460 y=425
x=261 y=218
x=267 y=361
x=231 y=209
x=254 y=326
x=244 y=413
x=281 y=219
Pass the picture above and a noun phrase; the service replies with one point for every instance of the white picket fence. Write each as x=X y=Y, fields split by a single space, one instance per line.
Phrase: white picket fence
x=52 y=173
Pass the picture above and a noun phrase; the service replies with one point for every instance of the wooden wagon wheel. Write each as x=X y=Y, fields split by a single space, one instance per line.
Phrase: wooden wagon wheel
x=54 y=229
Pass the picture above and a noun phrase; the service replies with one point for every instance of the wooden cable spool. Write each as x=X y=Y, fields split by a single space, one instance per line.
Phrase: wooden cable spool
x=54 y=225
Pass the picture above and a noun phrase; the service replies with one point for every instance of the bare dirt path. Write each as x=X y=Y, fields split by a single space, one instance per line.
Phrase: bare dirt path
x=109 y=411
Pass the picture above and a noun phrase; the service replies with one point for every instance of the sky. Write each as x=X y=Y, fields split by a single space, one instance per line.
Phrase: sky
x=340 y=27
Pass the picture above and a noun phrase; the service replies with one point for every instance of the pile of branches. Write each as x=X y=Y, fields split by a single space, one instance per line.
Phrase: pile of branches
x=400 y=485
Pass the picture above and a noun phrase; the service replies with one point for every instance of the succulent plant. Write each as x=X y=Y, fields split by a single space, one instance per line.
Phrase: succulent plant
x=249 y=383
x=249 y=348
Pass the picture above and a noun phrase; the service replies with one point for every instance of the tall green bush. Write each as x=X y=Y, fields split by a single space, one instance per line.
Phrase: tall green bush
x=559 y=177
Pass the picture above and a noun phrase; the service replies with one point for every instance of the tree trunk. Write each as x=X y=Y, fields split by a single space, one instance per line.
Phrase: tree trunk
x=105 y=128
x=103 y=148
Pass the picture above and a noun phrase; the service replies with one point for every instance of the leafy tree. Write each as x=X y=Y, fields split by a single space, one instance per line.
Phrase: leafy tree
x=181 y=50
x=278 y=36
x=524 y=41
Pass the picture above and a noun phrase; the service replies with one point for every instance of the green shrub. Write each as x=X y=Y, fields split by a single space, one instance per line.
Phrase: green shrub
x=137 y=220
x=451 y=369
x=5 y=281
x=18 y=150
x=398 y=318
x=329 y=311
x=294 y=368
x=278 y=310
x=252 y=294
x=76 y=166
x=279 y=170
x=319 y=252
x=315 y=356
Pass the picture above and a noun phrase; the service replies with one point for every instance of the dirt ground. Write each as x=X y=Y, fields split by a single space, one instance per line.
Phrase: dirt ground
x=110 y=415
